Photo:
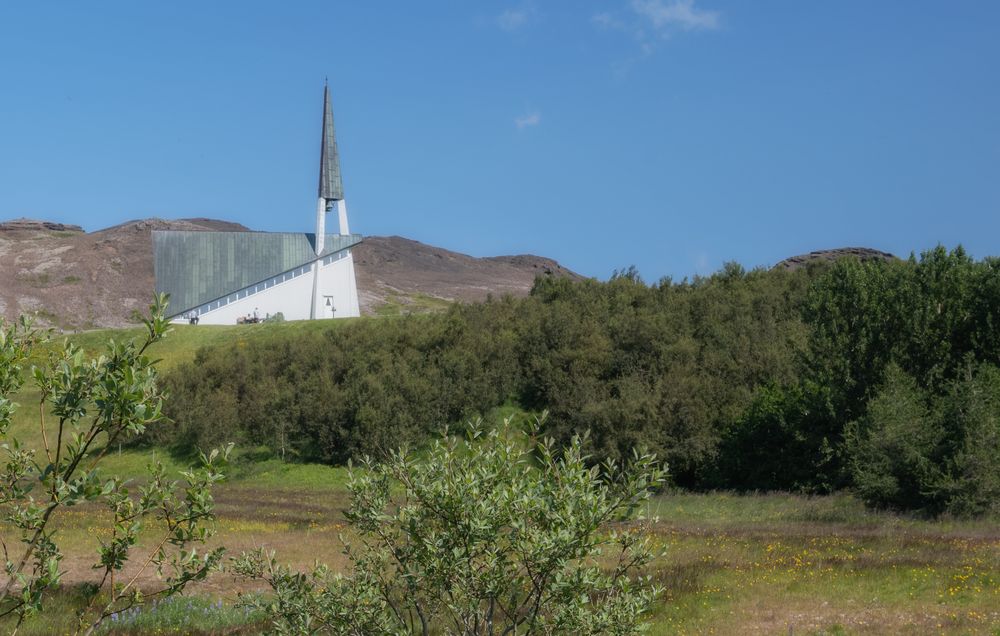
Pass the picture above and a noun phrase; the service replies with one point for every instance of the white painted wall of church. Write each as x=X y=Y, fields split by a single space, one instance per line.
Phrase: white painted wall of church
x=337 y=281
x=293 y=298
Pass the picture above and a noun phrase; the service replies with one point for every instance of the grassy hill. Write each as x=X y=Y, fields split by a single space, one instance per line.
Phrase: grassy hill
x=181 y=345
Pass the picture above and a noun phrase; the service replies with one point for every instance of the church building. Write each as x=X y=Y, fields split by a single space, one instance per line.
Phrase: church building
x=222 y=278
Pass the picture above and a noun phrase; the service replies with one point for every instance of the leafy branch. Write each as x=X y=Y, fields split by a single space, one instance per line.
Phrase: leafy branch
x=93 y=404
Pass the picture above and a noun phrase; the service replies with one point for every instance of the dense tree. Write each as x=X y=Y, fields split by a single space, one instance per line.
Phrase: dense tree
x=742 y=379
x=939 y=453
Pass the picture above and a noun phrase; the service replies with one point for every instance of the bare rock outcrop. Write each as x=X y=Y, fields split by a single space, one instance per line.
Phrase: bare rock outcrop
x=31 y=225
x=828 y=256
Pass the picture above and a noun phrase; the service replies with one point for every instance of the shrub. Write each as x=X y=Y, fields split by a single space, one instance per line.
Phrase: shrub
x=498 y=533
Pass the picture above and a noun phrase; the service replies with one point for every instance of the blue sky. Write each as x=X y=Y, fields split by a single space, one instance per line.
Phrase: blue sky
x=669 y=134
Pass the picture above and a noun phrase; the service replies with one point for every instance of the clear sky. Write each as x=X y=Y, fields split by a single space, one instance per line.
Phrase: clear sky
x=669 y=134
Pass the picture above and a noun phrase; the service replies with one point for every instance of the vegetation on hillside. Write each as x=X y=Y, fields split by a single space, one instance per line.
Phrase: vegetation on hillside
x=810 y=380
x=750 y=564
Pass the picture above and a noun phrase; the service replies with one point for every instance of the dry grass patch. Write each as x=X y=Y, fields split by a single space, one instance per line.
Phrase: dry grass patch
x=747 y=573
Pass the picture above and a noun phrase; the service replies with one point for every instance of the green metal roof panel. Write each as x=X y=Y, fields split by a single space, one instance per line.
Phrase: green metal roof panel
x=331 y=187
x=198 y=267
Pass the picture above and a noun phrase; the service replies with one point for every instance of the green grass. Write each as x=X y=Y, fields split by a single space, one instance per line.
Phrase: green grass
x=183 y=341
x=261 y=468
x=726 y=509
x=197 y=614
x=35 y=280
x=182 y=615
x=257 y=467
x=398 y=305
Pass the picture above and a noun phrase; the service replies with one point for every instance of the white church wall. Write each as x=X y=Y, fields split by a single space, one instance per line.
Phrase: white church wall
x=291 y=295
x=337 y=284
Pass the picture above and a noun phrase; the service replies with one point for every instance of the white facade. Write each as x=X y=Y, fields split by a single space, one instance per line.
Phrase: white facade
x=338 y=289
x=290 y=293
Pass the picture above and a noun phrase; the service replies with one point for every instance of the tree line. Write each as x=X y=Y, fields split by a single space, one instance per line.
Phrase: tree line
x=880 y=376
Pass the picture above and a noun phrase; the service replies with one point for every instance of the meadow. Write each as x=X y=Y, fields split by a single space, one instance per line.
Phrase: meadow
x=773 y=563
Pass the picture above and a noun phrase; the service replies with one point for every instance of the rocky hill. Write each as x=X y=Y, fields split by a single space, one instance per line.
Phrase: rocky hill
x=828 y=256
x=396 y=272
x=77 y=280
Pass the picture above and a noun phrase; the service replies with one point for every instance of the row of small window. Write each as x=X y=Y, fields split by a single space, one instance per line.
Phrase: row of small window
x=335 y=257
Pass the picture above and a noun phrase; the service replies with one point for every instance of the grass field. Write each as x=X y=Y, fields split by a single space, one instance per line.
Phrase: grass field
x=734 y=564
x=767 y=564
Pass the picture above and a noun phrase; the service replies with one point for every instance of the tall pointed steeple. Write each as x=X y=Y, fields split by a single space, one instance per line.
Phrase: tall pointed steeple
x=331 y=188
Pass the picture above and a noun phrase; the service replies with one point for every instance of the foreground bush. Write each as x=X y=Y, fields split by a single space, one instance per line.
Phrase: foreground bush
x=495 y=534
x=85 y=406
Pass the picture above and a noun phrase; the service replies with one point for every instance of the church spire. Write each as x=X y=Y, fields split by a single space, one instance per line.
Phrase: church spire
x=331 y=188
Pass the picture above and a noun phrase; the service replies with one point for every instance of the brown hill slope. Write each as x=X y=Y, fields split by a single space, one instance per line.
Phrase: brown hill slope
x=396 y=272
x=77 y=280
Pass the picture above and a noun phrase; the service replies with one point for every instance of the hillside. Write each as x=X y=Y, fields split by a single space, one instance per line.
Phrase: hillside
x=77 y=280
x=394 y=271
